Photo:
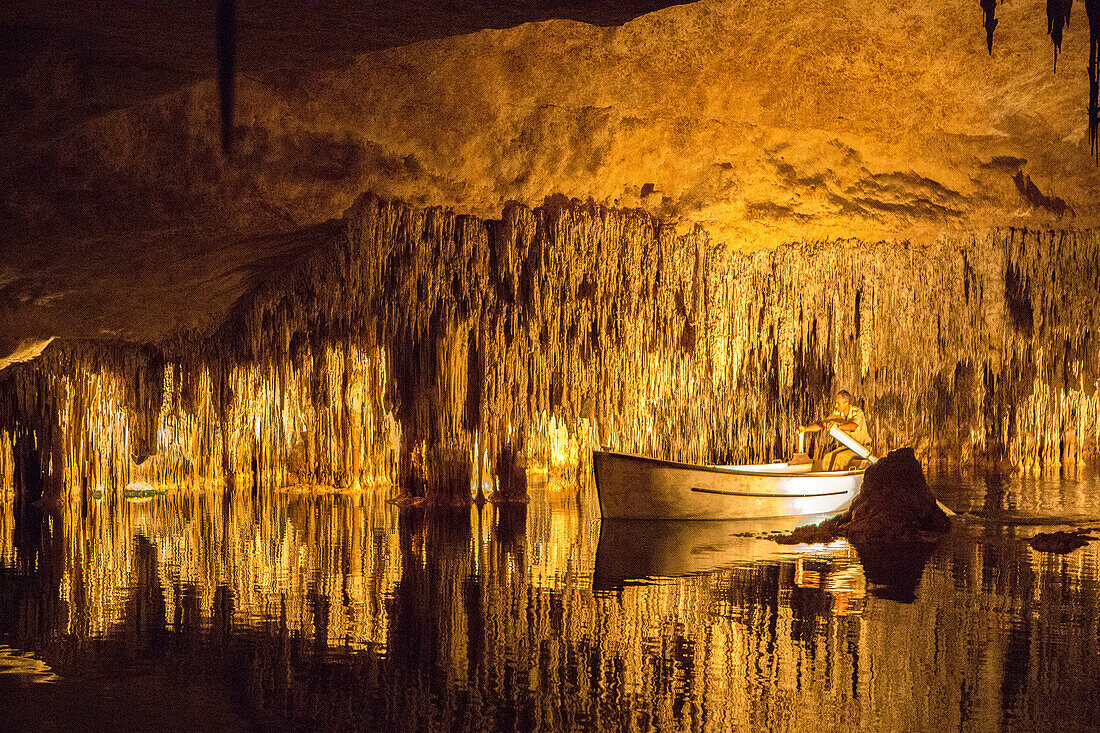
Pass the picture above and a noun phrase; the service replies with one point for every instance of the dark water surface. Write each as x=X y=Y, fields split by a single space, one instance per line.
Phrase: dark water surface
x=191 y=611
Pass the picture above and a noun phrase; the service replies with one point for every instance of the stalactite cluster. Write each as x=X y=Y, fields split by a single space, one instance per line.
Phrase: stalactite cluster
x=445 y=353
x=1058 y=13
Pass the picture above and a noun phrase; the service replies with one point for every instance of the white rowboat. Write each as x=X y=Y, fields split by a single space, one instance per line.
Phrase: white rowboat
x=637 y=487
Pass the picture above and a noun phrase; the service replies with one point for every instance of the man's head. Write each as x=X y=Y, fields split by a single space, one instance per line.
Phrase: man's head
x=842 y=401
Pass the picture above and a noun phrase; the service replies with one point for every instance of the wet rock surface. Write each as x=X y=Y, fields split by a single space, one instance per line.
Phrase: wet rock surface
x=826 y=531
x=1061 y=542
x=894 y=506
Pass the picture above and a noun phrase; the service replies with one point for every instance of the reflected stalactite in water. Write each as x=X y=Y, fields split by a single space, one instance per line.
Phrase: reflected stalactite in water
x=994 y=500
x=511 y=531
x=437 y=559
x=258 y=558
x=434 y=351
x=500 y=630
x=30 y=571
x=145 y=610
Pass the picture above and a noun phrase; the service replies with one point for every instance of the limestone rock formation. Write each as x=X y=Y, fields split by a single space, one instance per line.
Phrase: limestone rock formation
x=435 y=351
x=764 y=123
x=894 y=503
x=435 y=258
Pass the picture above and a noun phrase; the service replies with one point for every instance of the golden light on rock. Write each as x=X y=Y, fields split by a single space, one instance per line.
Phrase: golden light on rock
x=310 y=339
x=422 y=349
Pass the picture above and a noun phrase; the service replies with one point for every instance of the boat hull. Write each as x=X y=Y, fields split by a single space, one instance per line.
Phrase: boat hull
x=637 y=487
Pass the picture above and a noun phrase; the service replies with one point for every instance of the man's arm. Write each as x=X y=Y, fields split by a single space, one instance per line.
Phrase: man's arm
x=832 y=419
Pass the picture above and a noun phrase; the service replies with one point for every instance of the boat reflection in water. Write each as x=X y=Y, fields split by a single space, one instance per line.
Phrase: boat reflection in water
x=198 y=611
x=632 y=550
x=638 y=551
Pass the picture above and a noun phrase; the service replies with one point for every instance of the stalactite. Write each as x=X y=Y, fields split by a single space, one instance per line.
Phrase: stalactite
x=1058 y=12
x=437 y=351
x=989 y=22
x=7 y=465
x=511 y=473
x=1057 y=19
x=225 y=40
x=1092 y=10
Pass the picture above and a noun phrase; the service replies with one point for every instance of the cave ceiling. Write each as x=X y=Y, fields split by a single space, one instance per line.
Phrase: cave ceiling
x=761 y=122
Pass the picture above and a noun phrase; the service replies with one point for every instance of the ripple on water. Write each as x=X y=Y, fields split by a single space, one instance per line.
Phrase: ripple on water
x=337 y=612
x=24 y=665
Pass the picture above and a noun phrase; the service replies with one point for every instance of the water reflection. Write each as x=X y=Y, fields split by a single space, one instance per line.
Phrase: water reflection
x=337 y=612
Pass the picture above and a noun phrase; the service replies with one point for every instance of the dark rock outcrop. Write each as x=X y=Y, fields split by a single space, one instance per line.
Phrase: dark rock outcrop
x=893 y=506
x=891 y=523
x=895 y=503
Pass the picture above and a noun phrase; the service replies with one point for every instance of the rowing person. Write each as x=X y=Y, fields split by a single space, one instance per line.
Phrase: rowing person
x=851 y=420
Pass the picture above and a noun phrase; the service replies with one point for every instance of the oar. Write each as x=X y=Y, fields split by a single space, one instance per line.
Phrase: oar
x=849 y=442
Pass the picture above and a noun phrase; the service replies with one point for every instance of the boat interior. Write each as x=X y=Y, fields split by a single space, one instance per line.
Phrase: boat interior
x=787 y=468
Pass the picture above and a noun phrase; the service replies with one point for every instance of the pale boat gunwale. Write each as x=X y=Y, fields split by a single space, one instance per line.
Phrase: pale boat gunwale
x=731 y=469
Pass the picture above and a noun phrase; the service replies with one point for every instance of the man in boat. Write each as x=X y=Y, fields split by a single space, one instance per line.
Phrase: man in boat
x=851 y=420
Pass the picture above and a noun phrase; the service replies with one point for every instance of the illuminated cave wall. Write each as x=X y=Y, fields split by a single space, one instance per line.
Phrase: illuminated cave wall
x=431 y=349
